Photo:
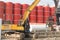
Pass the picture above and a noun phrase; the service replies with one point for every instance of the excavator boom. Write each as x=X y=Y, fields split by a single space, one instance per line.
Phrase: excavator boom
x=27 y=12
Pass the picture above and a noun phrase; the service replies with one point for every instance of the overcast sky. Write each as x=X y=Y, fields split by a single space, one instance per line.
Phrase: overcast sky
x=19 y=1
x=42 y=2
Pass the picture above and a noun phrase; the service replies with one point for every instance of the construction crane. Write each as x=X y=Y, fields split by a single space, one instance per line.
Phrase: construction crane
x=23 y=26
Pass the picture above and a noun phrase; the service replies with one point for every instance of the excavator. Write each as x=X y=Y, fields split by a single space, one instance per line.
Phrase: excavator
x=23 y=25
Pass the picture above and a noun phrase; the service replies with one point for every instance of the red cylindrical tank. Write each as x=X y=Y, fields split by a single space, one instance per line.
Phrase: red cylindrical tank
x=40 y=14
x=2 y=8
x=24 y=7
x=52 y=9
x=9 y=11
x=52 y=12
x=32 y=17
x=17 y=13
x=46 y=13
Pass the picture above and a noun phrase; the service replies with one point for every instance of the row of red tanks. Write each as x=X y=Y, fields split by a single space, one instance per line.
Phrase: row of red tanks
x=14 y=12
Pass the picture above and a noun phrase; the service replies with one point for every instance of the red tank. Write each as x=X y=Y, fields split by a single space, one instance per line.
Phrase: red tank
x=2 y=8
x=52 y=9
x=17 y=13
x=24 y=8
x=39 y=14
x=9 y=11
x=32 y=17
x=46 y=13
x=52 y=12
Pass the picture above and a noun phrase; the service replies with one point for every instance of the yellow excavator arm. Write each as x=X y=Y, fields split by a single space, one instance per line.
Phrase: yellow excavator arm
x=26 y=14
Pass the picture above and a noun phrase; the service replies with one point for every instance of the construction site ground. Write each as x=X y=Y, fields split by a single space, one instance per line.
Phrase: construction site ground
x=53 y=38
x=50 y=35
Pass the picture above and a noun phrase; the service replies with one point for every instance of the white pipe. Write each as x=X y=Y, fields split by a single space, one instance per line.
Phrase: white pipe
x=36 y=27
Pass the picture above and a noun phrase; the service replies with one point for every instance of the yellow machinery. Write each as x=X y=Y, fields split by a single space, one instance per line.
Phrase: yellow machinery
x=21 y=26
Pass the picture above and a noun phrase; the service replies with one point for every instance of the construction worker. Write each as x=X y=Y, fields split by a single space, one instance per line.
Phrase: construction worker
x=50 y=22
